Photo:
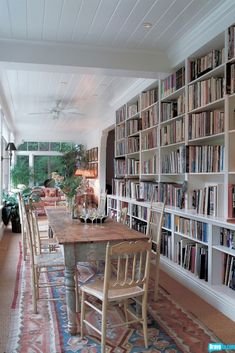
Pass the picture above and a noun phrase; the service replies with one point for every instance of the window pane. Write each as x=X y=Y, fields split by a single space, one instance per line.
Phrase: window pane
x=33 y=146
x=44 y=166
x=55 y=146
x=23 y=147
x=40 y=169
x=43 y=146
x=20 y=172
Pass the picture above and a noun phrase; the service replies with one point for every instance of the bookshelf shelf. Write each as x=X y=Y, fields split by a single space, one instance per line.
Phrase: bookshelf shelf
x=186 y=154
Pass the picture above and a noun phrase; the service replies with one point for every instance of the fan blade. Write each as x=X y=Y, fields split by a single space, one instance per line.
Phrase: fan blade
x=71 y=111
x=41 y=113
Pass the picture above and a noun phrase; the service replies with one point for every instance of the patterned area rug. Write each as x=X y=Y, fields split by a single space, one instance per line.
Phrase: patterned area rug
x=170 y=328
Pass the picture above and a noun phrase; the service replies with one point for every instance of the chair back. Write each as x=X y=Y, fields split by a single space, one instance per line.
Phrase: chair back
x=35 y=231
x=127 y=265
x=155 y=221
x=102 y=202
x=123 y=215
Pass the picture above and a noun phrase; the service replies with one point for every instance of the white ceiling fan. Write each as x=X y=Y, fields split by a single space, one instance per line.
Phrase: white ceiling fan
x=59 y=111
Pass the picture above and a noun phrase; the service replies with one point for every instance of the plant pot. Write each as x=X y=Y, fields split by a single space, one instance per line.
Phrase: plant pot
x=15 y=226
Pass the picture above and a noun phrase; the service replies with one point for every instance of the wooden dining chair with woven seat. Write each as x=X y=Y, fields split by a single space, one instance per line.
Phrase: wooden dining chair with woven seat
x=123 y=215
x=41 y=263
x=42 y=244
x=129 y=281
x=154 y=228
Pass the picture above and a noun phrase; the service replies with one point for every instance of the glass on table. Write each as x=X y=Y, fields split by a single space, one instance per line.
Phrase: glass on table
x=84 y=215
x=92 y=214
x=101 y=214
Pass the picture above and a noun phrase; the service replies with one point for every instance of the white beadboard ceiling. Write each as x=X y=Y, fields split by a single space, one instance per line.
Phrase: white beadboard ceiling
x=89 y=55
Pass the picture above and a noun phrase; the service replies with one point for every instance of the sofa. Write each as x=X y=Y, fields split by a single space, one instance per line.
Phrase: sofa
x=48 y=197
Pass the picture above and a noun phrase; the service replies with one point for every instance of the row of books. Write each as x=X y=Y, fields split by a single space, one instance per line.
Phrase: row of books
x=167 y=220
x=149 y=140
x=133 y=144
x=205 y=159
x=206 y=63
x=231 y=201
x=173 y=82
x=133 y=126
x=172 y=193
x=119 y=167
x=133 y=166
x=113 y=203
x=227 y=238
x=230 y=78
x=193 y=257
x=206 y=123
x=166 y=244
x=174 y=162
x=205 y=92
x=139 y=225
x=150 y=117
x=120 y=148
x=209 y=200
x=120 y=132
x=194 y=229
x=150 y=166
x=173 y=132
x=231 y=42
x=229 y=271
x=121 y=114
x=132 y=109
x=139 y=212
x=149 y=97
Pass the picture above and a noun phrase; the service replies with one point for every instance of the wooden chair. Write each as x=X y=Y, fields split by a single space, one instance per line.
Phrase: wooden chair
x=41 y=263
x=129 y=281
x=23 y=227
x=42 y=243
x=102 y=202
x=154 y=229
x=123 y=215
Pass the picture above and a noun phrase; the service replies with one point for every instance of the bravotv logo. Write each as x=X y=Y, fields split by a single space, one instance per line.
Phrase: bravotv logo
x=216 y=347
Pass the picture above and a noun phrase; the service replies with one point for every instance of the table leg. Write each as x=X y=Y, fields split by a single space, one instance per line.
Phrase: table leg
x=71 y=299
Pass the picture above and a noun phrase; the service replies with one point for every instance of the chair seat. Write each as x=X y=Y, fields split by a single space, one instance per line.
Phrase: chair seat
x=52 y=259
x=96 y=289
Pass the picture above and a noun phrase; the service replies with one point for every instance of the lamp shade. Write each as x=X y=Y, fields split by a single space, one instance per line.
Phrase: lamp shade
x=11 y=146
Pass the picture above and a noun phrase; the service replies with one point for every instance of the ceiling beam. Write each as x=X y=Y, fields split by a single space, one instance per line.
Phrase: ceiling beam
x=138 y=63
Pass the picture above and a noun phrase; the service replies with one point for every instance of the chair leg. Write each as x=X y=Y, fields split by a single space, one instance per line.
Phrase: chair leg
x=103 y=334
x=82 y=314
x=24 y=245
x=125 y=309
x=156 y=281
x=144 y=316
x=34 y=290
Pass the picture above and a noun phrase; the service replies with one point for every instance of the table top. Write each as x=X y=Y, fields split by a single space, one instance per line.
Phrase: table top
x=68 y=230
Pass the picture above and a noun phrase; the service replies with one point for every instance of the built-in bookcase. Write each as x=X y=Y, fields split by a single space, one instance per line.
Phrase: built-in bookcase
x=175 y=143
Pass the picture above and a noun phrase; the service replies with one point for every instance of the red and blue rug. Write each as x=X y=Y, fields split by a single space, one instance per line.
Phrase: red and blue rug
x=170 y=328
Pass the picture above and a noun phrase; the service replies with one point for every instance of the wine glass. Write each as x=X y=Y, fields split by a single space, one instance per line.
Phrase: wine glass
x=84 y=215
x=100 y=214
x=92 y=214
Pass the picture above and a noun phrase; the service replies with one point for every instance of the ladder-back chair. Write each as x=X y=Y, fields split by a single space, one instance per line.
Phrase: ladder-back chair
x=129 y=281
x=154 y=228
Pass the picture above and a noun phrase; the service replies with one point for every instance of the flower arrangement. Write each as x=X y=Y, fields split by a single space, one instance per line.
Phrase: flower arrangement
x=67 y=185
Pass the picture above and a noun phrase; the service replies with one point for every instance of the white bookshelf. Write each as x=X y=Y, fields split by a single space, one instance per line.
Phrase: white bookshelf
x=166 y=134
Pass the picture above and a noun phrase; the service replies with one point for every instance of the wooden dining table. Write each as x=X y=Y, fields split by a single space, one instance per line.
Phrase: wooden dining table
x=83 y=242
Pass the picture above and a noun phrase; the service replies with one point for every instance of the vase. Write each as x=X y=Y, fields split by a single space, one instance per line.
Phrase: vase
x=71 y=206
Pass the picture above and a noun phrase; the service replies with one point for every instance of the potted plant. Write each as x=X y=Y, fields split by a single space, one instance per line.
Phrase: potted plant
x=10 y=210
